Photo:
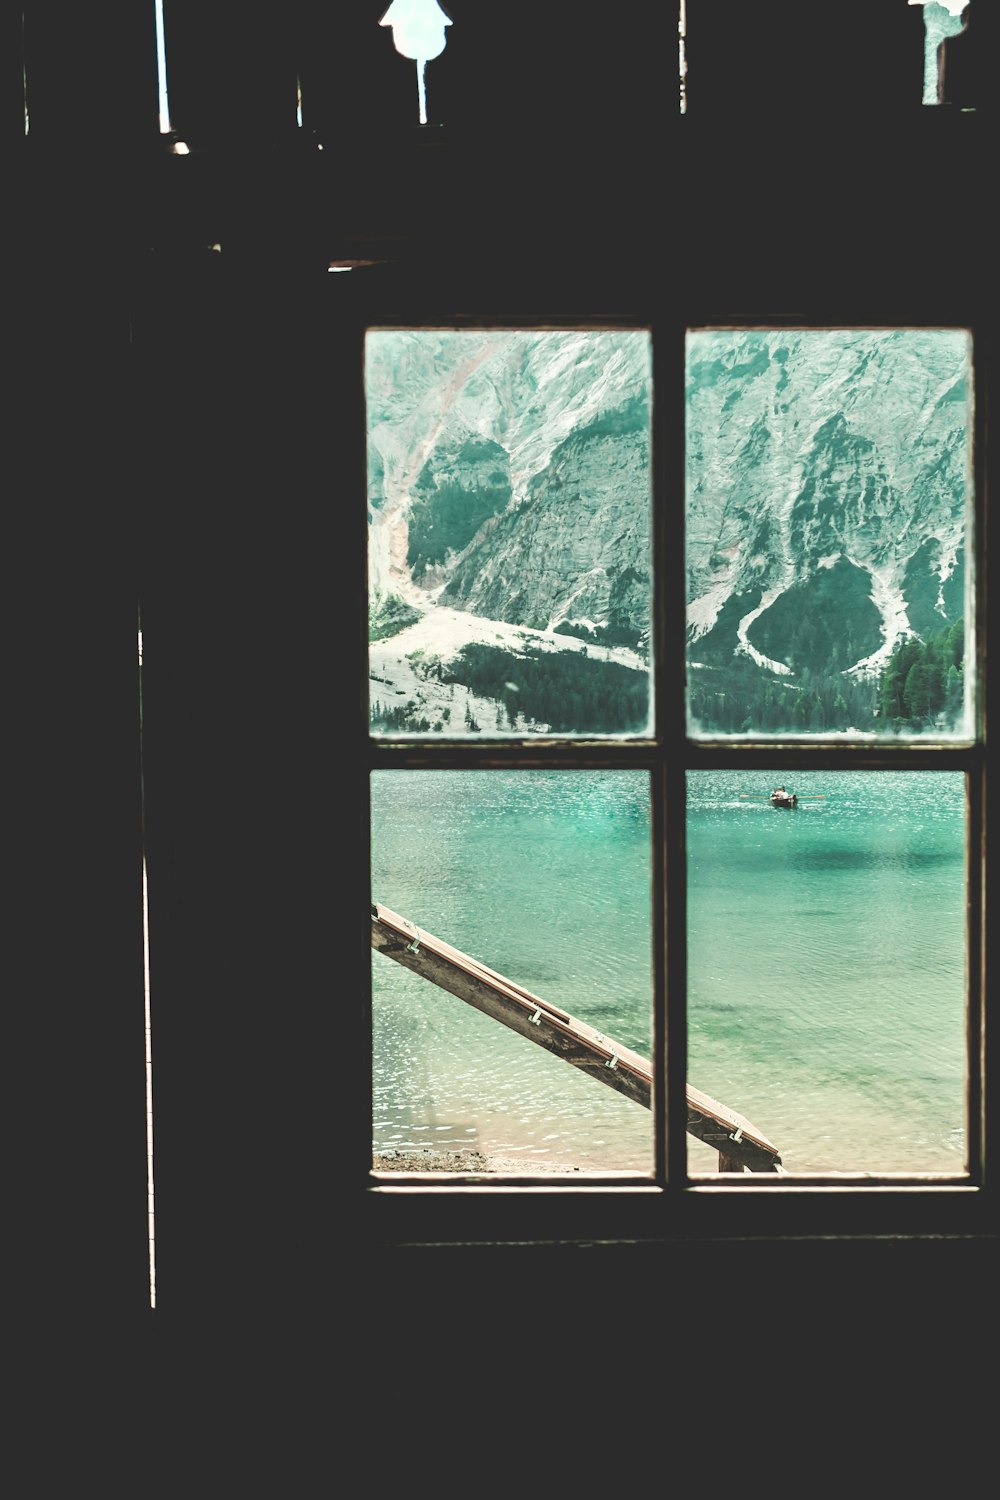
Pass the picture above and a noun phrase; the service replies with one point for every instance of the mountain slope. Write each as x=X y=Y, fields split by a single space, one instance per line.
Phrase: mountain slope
x=826 y=506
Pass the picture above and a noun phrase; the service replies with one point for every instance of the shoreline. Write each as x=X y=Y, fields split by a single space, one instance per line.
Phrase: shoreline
x=459 y=1160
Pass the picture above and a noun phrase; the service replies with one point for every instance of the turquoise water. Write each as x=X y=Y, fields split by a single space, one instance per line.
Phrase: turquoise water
x=825 y=959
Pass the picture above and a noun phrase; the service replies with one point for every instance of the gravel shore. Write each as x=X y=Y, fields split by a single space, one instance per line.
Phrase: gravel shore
x=457 y=1161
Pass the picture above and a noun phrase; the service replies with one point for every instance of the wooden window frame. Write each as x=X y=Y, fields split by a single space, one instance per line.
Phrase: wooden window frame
x=412 y=1207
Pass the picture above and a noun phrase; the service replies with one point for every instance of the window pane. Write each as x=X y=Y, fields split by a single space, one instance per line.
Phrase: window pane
x=826 y=965
x=828 y=499
x=543 y=877
x=509 y=532
x=943 y=19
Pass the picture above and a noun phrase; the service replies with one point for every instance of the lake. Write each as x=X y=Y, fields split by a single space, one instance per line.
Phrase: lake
x=826 y=963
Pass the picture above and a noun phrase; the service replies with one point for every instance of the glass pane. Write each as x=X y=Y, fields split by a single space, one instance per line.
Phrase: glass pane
x=543 y=877
x=828 y=499
x=509 y=532
x=826 y=965
x=943 y=19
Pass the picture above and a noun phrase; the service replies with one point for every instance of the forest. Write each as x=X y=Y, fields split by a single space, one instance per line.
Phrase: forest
x=923 y=685
x=921 y=689
x=446 y=513
x=569 y=691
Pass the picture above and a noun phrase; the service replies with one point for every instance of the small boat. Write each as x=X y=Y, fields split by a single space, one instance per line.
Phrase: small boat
x=782 y=798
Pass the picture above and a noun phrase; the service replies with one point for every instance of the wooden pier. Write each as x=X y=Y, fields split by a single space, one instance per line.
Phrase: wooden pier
x=741 y=1146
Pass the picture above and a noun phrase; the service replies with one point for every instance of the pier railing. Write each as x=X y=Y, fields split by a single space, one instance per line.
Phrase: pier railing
x=741 y=1146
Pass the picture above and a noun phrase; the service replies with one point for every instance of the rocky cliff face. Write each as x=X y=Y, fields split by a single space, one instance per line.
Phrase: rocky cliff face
x=825 y=470
x=576 y=548
x=509 y=474
x=826 y=492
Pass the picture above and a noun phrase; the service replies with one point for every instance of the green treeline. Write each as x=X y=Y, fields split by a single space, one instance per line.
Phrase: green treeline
x=406 y=717
x=740 y=698
x=614 y=634
x=633 y=416
x=389 y=617
x=822 y=625
x=445 y=514
x=924 y=683
x=447 y=520
x=921 y=688
x=568 y=690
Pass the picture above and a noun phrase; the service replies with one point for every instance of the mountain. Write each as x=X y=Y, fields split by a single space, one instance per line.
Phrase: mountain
x=827 y=496
x=509 y=521
x=509 y=516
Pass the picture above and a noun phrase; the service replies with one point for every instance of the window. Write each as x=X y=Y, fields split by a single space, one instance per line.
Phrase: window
x=814 y=565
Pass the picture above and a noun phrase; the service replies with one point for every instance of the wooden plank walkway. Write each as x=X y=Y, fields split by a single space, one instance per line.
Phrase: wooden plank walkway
x=741 y=1146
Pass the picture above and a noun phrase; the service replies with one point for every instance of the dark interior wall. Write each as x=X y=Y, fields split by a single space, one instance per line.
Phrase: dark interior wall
x=184 y=424
x=800 y=62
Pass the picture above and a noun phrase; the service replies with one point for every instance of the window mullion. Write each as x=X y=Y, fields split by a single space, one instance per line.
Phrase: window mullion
x=975 y=982
x=670 y=875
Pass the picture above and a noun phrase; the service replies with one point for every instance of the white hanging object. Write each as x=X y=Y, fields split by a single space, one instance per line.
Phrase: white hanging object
x=418 y=31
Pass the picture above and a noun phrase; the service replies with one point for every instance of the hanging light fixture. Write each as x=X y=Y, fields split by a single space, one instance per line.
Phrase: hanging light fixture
x=418 y=31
